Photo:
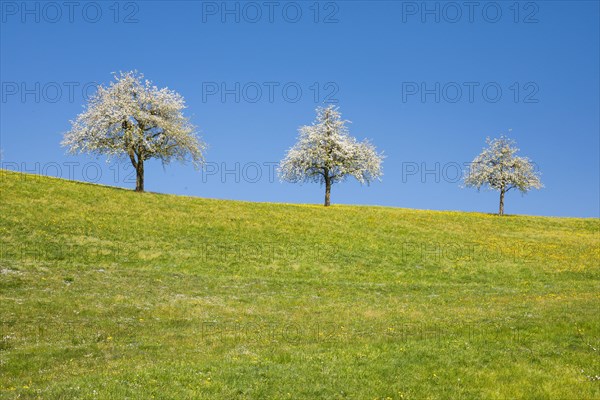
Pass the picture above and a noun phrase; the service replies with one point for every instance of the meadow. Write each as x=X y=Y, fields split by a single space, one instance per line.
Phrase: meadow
x=110 y=294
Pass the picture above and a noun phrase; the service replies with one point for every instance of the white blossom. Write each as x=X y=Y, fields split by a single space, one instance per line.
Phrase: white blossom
x=134 y=119
x=325 y=153
x=499 y=168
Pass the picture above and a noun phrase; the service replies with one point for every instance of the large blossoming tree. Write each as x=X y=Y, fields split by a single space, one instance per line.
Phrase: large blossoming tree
x=499 y=168
x=133 y=119
x=325 y=153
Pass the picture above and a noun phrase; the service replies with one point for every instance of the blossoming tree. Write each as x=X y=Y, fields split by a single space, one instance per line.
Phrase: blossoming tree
x=325 y=153
x=132 y=118
x=499 y=168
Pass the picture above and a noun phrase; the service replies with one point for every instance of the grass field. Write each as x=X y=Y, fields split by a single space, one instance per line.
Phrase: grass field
x=110 y=294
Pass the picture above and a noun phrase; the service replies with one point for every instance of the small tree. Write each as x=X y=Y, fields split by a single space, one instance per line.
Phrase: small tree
x=499 y=168
x=326 y=153
x=133 y=119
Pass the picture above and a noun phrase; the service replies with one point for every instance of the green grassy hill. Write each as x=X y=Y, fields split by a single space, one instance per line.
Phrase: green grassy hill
x=107 y=293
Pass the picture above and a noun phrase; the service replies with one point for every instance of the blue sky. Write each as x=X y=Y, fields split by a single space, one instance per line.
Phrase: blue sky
x=425 y=83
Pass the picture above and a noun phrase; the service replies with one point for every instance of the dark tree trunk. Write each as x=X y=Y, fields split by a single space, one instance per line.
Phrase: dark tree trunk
x=139 y=176
x=501 y=210
x=327 y=191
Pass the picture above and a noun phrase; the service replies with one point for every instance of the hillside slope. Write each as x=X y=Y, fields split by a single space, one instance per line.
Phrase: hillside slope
x=107 y=293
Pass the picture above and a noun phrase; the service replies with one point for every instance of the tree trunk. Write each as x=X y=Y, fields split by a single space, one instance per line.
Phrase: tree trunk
x=327 y=191
x=501 y=210
x=139 y=176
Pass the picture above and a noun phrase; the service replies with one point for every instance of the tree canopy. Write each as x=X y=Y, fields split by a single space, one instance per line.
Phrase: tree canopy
x=325 y=153
x=499 y=168
x=132 y=118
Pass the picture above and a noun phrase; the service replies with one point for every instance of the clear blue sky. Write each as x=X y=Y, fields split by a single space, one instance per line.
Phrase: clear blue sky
x=369 y=56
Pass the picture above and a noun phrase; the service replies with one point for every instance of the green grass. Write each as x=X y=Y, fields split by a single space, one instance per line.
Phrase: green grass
x=106 y=293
